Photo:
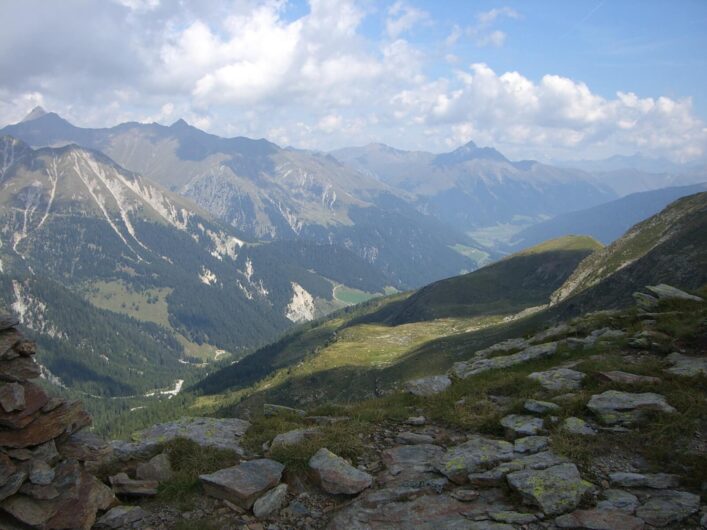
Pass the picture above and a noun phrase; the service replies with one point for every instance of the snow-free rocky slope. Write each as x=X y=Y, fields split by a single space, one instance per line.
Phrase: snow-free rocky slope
x=170 y=286
x=267 y=192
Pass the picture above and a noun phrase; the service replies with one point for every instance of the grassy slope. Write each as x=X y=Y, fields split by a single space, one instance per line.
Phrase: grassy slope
x=337 y=354
x=678 y=260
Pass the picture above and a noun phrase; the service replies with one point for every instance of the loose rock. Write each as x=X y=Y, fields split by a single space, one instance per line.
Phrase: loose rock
x=244 y=483
x=559 y=379
x=336 y=476
x=599 y=520
x=428 y=386
x=555 y=490
x=271 y=502
x=517 y=425
x=666 y=507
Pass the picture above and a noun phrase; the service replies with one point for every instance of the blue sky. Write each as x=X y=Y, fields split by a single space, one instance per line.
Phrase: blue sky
x=554 y=79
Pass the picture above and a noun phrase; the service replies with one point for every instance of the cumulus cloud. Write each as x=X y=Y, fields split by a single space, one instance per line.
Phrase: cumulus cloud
x=317 y=80
x=556 y=111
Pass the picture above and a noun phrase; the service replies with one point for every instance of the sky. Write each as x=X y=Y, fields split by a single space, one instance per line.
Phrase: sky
x=542 y=79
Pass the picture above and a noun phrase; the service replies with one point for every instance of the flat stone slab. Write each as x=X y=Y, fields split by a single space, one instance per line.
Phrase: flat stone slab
x=428 y=386
x=477 y=454
x=270 y=409
x=555 y=490
x=336 y=475
x=614 y=407
x=219 y=433
x=244 y=483
x=518 y=425
x=540 y=407
x=294 y=437
x=686 y=365
x=578 y=426
x=620 y=500
x=559 y=379
x=465 y=369
x=124 y=485
x=626 y=378
x=599 y=519
x=413 y=438
x=647 y=480
x=668 y=506
x=120 y=517
x=668 y=292
x=420 y=458
x=426 y=512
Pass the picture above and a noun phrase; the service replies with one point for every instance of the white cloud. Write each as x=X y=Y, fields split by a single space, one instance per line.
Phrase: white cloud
x=321 y=80
x=483 y=34
x=402 y=17
x=556 y=112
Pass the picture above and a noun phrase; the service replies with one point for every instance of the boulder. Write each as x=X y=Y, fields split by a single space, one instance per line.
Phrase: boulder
x=648 y=480
x=518 y=425
x=270 y=503
x=668 y=292
x=12 y=483
x=504 y=346
x=645 y=302
x=294 y=437
x=599 y=519
x=120 y=517
x=559 y=379
x=555 y=490
x=336 y=475
x=511 y=517
x=574 y=425
x=244 y=483
x=428 y=386
x=477 y=454
x=614 y=407
x=554 y=332
x=540 y=407
x=218 y=433
x=157 y=468
x=531 y=444
x=686 y=365
x=416 y=420
x=668 y=507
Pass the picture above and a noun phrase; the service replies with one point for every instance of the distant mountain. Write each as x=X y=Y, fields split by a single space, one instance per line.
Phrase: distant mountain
x=176 y=285
x=605 y=222
x=636 y=161
x=473 y=187
x=269 y=193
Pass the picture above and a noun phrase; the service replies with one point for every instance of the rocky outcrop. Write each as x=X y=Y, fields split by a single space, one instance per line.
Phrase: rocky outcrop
x=336 y=475
x=44 y=477
x=428 y=386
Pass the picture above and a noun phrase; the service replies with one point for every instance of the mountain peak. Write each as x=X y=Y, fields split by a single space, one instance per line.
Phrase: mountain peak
x=180 y=124
x=36 y=112
x=469 y=151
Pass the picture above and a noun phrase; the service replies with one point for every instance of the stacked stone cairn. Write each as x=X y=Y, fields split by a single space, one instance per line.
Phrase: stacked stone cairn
x=45 y=461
